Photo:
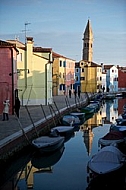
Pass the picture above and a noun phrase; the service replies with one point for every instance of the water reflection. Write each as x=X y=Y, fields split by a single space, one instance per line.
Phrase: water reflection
x=46 y=160
x=67 y=168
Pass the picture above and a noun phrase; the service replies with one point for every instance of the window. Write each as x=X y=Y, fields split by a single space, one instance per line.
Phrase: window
x=60 y=63
x=100 y=78
x=84 y=44
x=77 y=70
x=81 y=63
x=19 y=57
x=112 y=71
x=82 y=78
x=64 y=63
x=82 y=70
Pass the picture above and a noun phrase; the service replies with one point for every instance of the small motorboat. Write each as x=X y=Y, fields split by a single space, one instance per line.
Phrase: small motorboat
x=113 y=137
x=107 y=160
x=81 y=115
x=116 y=127
x=62 y=130
x=88 y=110
x=48 y=143
x=109 y=96
x=70 y=120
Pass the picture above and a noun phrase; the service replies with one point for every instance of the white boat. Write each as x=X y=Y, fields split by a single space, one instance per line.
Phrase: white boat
x=70 y=120
x=107 y=160
x=113 y=137
x=81 y=115
x=109 y=96
x=62 y=130
x=48 y=143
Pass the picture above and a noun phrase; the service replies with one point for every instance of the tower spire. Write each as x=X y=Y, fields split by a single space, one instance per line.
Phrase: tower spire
x=88 y=43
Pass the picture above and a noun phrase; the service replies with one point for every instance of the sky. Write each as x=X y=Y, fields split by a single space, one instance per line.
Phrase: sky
x=60 y=24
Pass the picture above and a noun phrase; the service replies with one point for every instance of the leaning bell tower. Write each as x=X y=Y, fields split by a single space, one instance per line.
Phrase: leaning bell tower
x=87 y=52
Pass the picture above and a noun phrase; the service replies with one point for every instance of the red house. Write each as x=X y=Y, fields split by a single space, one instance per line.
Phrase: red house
x=8 y=74
x=122 y=78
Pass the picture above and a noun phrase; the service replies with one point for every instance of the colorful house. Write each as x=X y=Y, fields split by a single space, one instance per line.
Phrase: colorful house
x=63 y=74
x=8 y=80
x=111 y=77
x=121 y=78
x=77 y=85
x=91 y=77
x=34 y=72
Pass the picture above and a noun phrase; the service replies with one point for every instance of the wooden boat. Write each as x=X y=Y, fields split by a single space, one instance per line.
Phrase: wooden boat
x=109 y=96
x=81 y=115
x=70 y=120
x=88 y=110
x=40 y=161
x=113 y=137
x=48 y=143
x=107 y=160
x=62 y=130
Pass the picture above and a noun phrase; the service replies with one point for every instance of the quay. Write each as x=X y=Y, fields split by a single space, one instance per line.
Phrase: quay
x=35 y=121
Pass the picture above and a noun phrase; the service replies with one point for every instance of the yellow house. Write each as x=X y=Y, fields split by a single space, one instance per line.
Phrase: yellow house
x=34 y=72
x=91 y=76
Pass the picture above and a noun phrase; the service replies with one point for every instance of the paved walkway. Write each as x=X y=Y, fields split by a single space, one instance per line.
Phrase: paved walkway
x=11 y=127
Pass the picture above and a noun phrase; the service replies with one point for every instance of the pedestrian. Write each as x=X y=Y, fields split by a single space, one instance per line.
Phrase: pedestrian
x=103 y=89
x=17 y=106
x=79 y=93
x=75 y=93
x=6 y=110
x=69 y=93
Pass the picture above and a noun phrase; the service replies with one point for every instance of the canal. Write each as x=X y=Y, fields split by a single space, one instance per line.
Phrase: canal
x=66 y=169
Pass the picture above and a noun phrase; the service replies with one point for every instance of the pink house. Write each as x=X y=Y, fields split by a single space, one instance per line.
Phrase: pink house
x=8 y=74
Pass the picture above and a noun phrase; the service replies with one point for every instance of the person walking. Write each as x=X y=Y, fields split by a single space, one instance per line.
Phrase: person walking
x=79 y=93
x=69 y=93
x=6 y=110
x=17 y=106
x=75 y=93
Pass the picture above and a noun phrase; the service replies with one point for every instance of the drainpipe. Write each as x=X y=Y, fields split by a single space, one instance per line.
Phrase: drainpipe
x=12 y=67
x=49 y=62
x=25 y=76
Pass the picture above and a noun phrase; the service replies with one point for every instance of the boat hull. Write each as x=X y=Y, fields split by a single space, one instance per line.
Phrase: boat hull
x=48 y=144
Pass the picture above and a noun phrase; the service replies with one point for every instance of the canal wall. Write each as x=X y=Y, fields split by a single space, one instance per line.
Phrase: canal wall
x=17 y=141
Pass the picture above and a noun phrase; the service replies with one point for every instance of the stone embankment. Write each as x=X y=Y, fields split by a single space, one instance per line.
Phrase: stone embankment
x=35 y=121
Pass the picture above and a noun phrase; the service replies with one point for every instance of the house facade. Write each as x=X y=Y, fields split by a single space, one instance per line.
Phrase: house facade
x=121 y=78
x=77 y=85
x=63 y=74
x=91 y=77
x=8 y=79
x=34 y=72
x=111 y=77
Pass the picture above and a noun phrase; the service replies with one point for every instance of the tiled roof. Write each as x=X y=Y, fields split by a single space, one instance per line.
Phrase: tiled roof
x=108 y=66
x=56 y=55
x=7 y=44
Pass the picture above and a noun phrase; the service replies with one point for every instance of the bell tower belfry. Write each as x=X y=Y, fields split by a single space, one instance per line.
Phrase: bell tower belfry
x=87 y=53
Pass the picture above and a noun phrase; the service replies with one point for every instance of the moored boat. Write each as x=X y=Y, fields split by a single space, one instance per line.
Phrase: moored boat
x=62 y=130
x=81 y=115
x=48 y=143
x=107 y=160
x=113 y=137
x=70 y=120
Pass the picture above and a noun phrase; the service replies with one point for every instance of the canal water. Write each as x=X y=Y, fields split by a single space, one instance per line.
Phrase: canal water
x=66 y=169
